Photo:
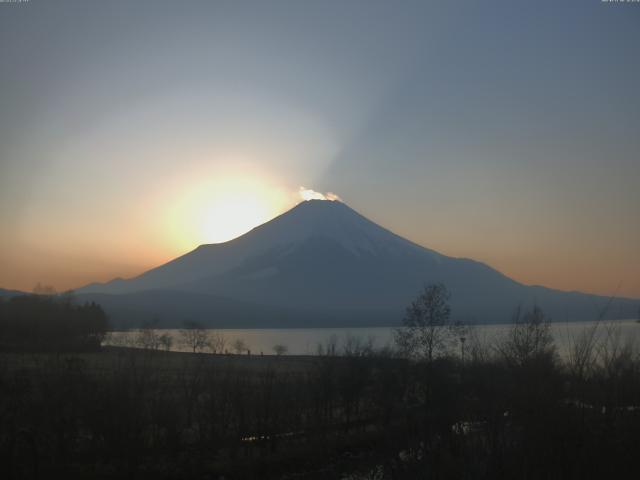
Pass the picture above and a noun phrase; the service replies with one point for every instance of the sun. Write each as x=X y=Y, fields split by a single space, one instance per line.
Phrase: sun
x=220 y=209
x=231 y=214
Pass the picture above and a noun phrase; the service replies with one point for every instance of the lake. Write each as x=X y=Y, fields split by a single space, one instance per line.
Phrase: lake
x=305 y=341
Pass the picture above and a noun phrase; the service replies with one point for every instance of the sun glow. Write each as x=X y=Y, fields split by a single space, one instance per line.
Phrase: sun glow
x=222 y=209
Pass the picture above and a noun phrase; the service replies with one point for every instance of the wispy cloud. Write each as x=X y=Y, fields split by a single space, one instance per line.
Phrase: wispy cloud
x=309 y=194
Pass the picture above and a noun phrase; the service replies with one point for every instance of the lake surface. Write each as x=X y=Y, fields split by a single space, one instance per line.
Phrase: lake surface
x=305 y=341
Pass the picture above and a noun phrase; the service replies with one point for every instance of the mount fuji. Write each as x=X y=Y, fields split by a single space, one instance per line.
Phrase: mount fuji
x=323 y=264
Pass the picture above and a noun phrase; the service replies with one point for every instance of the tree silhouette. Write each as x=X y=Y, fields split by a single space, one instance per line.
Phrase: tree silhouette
x=239 y=346
x=194 y=336
x=423 y=333
x=280 y=349
x=529 y=338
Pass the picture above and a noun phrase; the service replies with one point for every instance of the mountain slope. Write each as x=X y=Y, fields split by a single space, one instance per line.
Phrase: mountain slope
x=308 y=220
x=322 y=259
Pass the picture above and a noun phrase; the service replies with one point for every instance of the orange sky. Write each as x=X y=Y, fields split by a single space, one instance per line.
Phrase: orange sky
x=46 y=256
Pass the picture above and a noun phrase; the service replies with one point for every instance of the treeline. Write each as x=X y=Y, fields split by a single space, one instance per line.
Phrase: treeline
x=38 y=323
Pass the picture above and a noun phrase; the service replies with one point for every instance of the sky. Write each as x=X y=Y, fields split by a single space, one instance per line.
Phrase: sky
x=504 y=131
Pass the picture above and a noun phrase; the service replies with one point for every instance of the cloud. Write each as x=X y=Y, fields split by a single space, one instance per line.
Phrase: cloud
x=308 y=194
x=333 y=197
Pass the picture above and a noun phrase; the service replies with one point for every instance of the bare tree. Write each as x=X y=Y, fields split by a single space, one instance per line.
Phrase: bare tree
x=239 y=346
x=529 y=339
x=585 y=349
x=194 y=336
x=280 y=349
x=476 y=348
x=148 y=337
x=166 y=341
x=329 y=348
x=583 y=356
x=217 y=342
x=357 y=347
x=614 y=350
x=424 y=333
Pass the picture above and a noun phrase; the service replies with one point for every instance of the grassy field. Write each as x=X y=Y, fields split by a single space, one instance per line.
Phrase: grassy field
x=126 y=412
x=134 y=413
x=111 y=358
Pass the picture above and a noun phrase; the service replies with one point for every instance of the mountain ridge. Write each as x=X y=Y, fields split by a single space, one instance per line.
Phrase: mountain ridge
x=325 y=256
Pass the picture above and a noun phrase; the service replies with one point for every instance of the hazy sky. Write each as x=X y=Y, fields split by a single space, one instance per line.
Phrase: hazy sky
x=508 y=132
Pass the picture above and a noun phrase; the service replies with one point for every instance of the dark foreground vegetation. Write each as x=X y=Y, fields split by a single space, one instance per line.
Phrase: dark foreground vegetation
x=511 y=410
x=127 y=413
x=50 y=323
